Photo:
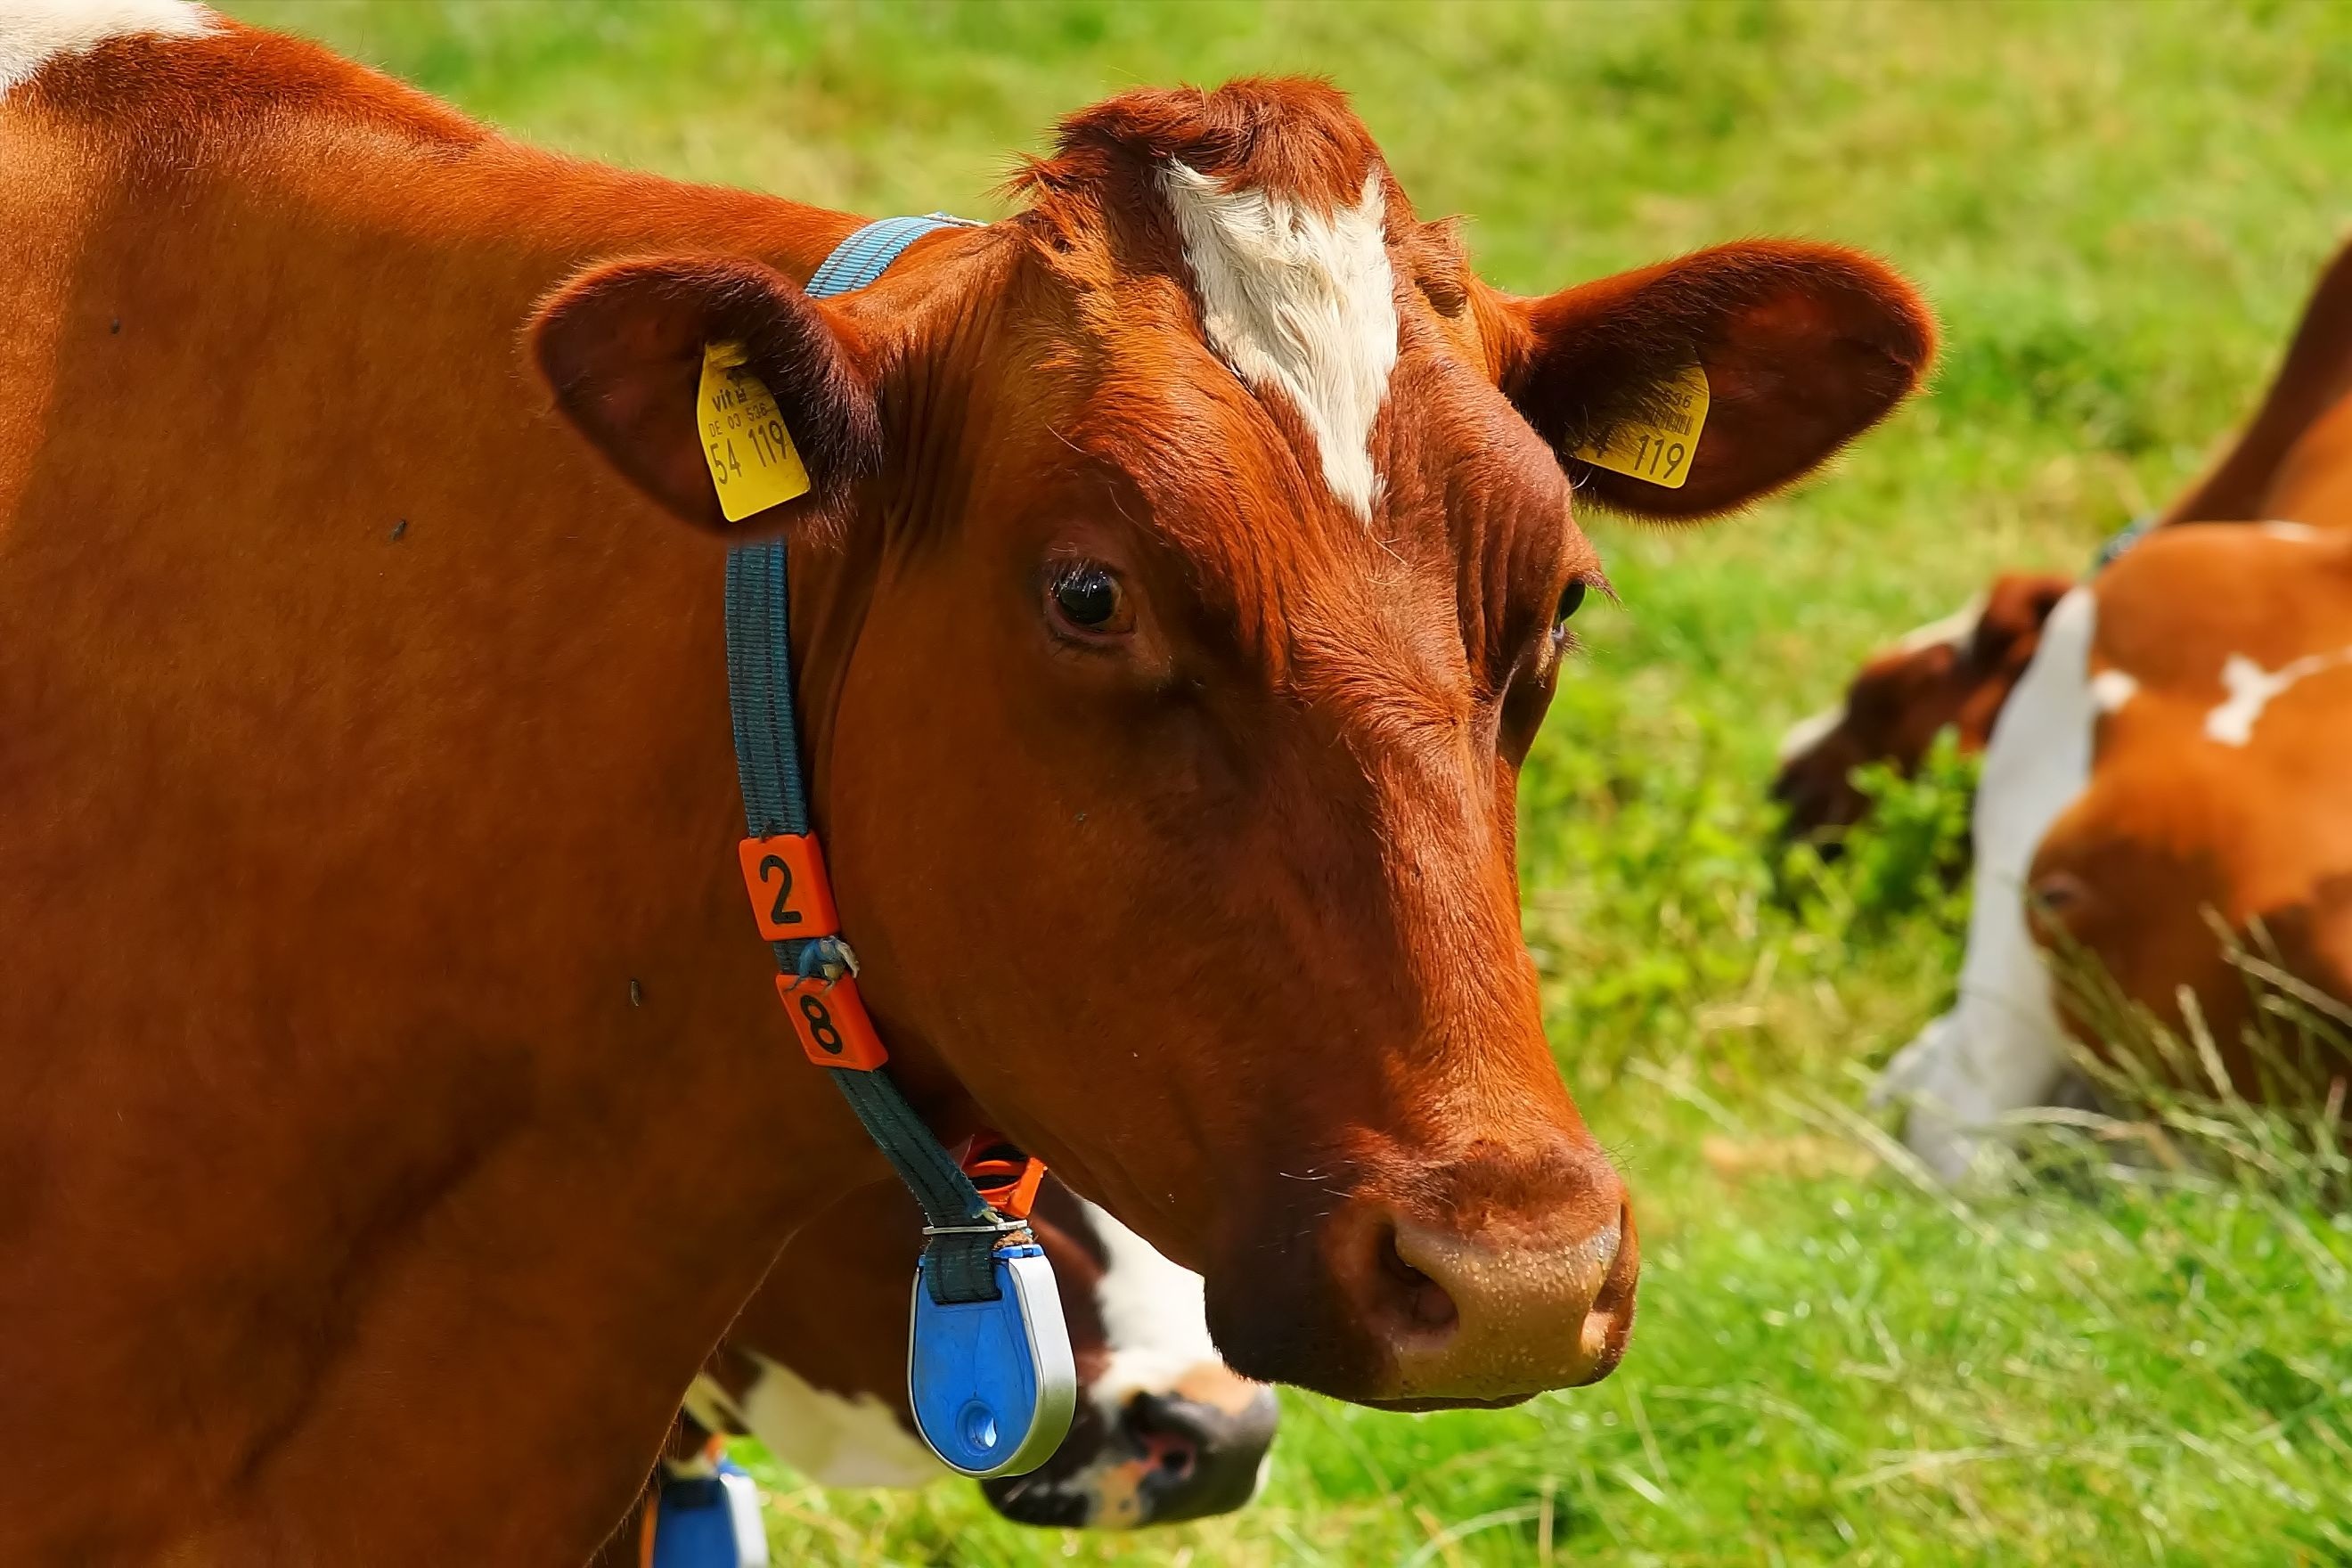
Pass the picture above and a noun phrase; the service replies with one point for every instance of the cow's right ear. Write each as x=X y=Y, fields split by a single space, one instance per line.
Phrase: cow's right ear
x=622 y=347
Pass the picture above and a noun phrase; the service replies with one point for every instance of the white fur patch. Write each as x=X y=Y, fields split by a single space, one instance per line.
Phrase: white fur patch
x=2293 y=532
x=2252 y=689
x=2002 y=1048
x=2111 y=688
x=1155 y=1318
x=833 y=1440
x=35 y=32
x=1809 y=731
x=1296 y=300
x=1953 y=631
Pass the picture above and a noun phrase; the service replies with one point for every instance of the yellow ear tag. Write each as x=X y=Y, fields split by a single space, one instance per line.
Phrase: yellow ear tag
x=1658 y=451
x=753 y=463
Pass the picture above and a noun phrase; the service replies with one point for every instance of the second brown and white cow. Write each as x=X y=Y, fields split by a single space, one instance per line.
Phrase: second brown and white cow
x=815 y=1367
x=2292 y=462
x=2179 y=752
x=2166 y=745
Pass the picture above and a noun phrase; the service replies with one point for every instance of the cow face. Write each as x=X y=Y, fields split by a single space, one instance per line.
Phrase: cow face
x=1205 y=546
x=815 y=1367
x=1955 y=673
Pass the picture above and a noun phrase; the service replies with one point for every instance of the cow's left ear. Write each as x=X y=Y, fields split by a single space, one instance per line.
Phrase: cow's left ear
x=622 y=345
x=1804 y=347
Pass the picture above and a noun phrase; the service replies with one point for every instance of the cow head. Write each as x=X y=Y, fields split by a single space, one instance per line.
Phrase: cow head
x=1199 y=556
x=1956 y=672
x=815 y=1367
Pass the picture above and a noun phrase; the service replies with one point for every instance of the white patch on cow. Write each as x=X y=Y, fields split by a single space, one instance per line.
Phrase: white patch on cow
x=1295 y=299
x=1809 y=731
x=831 y=1439
x=2002 y=1048
x=2111 y=688
x=2252 y=689
x=35 y=32
x=1953 y=631
x=2293 y=532
x=1155 y=1318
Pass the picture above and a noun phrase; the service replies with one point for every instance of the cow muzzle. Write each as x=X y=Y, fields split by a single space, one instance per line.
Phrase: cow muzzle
x=1483 y=1283
x=1195 y=1449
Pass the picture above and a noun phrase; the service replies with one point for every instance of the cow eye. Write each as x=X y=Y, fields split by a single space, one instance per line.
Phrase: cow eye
x=1571 y=599
x=1086 y=599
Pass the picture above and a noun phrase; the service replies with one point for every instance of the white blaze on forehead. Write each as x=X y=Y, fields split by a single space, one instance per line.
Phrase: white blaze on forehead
x=2252 y=689
x=35 y=32
x=2002 y=1048
x=1298 y=300
x=1155 y=1317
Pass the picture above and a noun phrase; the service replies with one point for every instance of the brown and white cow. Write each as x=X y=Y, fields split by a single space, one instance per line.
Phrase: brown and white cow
x=815 y=1367
x=2179 y=749
x=2293 y=462
x=1181 y=586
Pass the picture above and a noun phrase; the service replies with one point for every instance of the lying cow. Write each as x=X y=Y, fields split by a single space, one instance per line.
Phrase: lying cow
x=2292 y=462
x=1164 y=1431
x=1183 y=574
x=2181 y=746
x=2163 y=745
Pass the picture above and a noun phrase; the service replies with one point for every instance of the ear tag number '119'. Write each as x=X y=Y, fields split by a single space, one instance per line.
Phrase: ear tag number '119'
x=993 y=1383
x=753 y=463
x=1656 y=449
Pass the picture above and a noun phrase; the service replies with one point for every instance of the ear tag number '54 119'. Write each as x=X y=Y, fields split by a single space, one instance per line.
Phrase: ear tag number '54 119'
x=1657 y=449
x=992 y=1384
x=753 y=463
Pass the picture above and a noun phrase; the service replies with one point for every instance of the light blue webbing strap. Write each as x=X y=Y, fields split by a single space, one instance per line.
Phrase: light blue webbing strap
x=775 y=801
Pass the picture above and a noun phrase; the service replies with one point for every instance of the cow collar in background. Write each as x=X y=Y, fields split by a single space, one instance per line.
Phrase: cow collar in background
x=989 y=1366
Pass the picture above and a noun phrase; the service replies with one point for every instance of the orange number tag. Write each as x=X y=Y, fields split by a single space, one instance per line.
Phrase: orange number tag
x=790 y=895
x=831 y=1022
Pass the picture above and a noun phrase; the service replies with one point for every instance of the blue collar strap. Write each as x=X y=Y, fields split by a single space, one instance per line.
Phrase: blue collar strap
x=990 y=1373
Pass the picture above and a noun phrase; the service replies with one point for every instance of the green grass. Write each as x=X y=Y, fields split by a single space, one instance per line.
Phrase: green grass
x=2116 y=210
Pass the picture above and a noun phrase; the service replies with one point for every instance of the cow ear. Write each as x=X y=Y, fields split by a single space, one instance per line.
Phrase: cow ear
x=1804 y=347
x=620 y=346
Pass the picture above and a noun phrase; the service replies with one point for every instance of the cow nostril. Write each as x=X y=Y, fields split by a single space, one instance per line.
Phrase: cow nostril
x=1425 y=1302
x=1173 y=1457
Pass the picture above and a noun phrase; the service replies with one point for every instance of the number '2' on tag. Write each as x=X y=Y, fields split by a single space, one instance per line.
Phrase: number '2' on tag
x=753 y=463
x=1656 y=449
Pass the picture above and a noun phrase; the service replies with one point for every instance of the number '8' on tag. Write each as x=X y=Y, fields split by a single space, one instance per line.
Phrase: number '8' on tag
x=753 y=463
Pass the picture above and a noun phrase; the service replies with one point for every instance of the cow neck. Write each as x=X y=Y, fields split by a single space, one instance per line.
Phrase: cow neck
x=817 y=972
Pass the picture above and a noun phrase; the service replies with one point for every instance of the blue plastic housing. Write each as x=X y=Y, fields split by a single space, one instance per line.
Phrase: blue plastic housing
x=992 y=1384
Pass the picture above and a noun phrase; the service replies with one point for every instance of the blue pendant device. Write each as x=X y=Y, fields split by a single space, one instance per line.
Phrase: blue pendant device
x=989 y=1368
x=992 y=1384
x=709 y=1522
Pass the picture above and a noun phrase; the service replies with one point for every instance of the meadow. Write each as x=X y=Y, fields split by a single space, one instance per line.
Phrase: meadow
x=2116 y=210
